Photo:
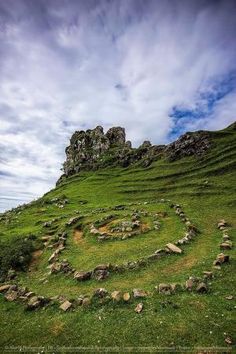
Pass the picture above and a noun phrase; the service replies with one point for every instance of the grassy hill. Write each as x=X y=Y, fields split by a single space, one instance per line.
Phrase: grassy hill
x=205 y=189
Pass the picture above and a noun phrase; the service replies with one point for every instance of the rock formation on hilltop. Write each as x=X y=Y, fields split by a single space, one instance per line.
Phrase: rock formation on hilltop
x=86 y=148
x=196 y=143
x=93 y=149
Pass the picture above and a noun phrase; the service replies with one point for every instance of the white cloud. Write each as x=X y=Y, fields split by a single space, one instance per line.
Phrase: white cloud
x=224 y=113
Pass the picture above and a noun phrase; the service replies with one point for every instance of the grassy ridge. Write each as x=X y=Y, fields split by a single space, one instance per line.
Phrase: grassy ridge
x=204 y=187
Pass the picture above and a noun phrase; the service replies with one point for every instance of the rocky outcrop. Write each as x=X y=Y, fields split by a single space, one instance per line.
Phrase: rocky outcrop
x=85 y=149
x=196 y=143
x=116 y=137
x=93 y=149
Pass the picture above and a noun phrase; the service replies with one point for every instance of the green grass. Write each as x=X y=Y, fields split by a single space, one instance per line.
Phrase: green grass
x=191 y=320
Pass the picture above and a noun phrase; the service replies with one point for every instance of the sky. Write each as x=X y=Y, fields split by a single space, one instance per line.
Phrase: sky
x=158 y=68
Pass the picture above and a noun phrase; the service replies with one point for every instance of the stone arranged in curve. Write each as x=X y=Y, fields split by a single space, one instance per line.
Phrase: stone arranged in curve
x=13 y=292
x=226 y=243
x=101 y=272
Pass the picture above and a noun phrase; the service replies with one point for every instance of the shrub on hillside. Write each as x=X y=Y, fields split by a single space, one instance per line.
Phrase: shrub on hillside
x=15 y=254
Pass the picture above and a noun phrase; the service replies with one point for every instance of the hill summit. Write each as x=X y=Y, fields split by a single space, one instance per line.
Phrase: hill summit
x=93 y=149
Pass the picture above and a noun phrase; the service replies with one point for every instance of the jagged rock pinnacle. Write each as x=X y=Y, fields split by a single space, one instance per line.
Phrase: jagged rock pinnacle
x=93 y=149
x=87 y=148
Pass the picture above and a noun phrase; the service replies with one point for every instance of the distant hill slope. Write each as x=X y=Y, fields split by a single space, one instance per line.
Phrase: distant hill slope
x=115 y=228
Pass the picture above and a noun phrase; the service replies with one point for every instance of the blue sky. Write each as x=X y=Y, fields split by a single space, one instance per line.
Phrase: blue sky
x=158 y=68
x=204 y=106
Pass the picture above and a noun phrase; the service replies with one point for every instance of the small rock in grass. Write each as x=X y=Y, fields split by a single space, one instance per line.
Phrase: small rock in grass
x=126 y=297
x=22 y=291
x=79 y=301
x=227 y=245
x=102 y=267
x=116 y=295
x=160 y=251
x=94 y=231
x=100 y=292
x=81 y=276
x=139 y=308
x=45 y=238
x=11 y=296
x=11 y=274
x=4 y=288
x=36 y=302
x=173 y=248
x=221 y=258
x=102 y=238
x=208 y=275
x=100 y=274
x=229 y=297
x=72 y=220
x=52 y=257
x=222 y=228
x=86 y=302
x=165 y=289
x=66 y=305
x=226 y=238
x=228 y=340
x=201 y=288
x=218 y=267
x=13 y=287
x=139 y=293
x=221 y=223
x=189 y=284
x=47 y=223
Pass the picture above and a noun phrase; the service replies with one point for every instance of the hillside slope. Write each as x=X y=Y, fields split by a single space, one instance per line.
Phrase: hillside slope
x=91 y=216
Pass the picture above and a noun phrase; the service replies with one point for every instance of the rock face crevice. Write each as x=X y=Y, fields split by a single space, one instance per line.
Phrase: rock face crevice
x=93 y=149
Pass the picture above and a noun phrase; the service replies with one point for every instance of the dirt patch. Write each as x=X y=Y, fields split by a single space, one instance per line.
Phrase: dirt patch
x=184 y=263
x=144 y=227
x=35 y=259
x=104 y=228
x=57 y=328
x=78 y=236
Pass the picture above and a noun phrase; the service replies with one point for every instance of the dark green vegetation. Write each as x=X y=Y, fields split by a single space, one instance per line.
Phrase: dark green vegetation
x=205 y=188
x=15 y=254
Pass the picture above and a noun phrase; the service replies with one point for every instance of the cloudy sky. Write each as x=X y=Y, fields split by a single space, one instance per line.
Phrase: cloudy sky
x=158 y=68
